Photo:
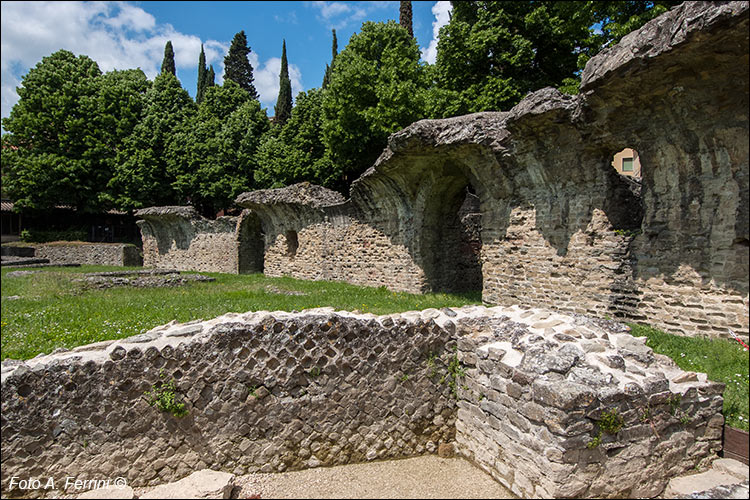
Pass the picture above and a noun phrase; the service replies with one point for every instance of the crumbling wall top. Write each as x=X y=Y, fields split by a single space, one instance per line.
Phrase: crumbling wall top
x=658 y=36
x=168 y=211
x=303 y=193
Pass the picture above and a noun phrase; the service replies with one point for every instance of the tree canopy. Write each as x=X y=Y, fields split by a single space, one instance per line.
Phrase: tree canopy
x=283 y=109
x=167 y=65
x=376 y=88
x=95 y=141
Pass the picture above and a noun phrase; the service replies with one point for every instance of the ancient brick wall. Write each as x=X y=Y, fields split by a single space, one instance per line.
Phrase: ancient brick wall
x=522 y=392
x=179 y=238
x=99 y=254
x=557 y=406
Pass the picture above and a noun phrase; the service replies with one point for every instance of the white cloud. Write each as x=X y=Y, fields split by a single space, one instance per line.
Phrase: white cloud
x=117 y=35
x=266 y=79
x=441 y=11
x=338 y=15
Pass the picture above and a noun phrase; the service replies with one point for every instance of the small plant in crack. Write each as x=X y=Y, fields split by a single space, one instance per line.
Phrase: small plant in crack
x=611 y=422
x=595 y=442
x=674 y=403
x=455 y=371
x=315 y=372
x=403 y=378
x=432 y=365
x=163 y=395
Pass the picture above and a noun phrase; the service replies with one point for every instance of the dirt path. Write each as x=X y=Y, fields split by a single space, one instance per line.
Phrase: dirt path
x=421 y=477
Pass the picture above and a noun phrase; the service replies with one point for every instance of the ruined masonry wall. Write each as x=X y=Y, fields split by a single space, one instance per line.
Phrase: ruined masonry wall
x=99 y=254
x=348 y=250
x=265 y=392
x=187 y=244
x=284 y=391
x=539 y=387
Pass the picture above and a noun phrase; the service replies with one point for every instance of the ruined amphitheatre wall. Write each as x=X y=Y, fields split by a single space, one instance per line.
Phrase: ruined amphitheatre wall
x=521 y=391
x=559 y=227
x=179 y=238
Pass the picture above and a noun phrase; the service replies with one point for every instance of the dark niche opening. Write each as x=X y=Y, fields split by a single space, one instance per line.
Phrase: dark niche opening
x=292 y=243
x=451 y=237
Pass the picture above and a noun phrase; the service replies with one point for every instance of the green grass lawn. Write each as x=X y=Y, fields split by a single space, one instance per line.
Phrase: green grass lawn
x=722 y=360
x=54 y=312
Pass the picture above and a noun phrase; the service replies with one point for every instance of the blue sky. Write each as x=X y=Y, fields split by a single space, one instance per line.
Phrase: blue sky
x=123 y=35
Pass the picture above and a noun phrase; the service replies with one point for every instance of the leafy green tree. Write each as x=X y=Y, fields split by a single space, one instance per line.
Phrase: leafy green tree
x=120 y=103
x=296 y=153
x=167 y=65
x=202 y=76
x=215 y=149
x=405 y=16
x=491 y=53
x=283 y=108
x=146 y=167
x=377 y=87
x=237 y=66
x=53 y=150
x=211 y=78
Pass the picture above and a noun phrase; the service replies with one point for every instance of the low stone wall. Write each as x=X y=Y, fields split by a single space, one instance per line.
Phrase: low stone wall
x=283 y=391
x=265 y=392
x=99 y=254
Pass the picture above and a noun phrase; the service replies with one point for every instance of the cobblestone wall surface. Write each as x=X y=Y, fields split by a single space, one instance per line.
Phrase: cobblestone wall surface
x=264 y=392
x=523 y=392
x=99 y=254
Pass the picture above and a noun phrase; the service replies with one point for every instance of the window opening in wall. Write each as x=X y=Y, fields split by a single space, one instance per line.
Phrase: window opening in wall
x=627 y=162
x=292 y=243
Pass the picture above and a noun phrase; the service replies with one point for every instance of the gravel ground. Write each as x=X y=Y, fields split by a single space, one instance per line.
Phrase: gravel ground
x=421 y=477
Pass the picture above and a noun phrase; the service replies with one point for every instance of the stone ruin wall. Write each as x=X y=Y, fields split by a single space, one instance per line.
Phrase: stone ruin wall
x=98 y=254
x=179 y=238
x=559 y=227
x=284 y=391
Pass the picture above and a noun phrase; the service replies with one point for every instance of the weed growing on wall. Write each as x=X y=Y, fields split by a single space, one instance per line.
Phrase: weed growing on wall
x=163 y=396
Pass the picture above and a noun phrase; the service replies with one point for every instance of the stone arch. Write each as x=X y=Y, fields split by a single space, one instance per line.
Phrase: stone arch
x=448 y=225
x=250 y=243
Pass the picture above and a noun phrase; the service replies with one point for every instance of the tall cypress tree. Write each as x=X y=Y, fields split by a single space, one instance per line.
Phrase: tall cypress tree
x=329 y=68
x=283 y=109
x=210 y=78
x=167 y=65
x=405 y=16
x=202 y=75
x=237 y=66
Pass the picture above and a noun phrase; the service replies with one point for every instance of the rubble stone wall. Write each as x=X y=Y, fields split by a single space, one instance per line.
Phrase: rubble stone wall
x=521 y=392
x=98 y=254
x=557 y=406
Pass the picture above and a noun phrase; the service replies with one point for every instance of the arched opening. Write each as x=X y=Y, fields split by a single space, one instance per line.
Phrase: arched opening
x=292 y=243
x=451 y=235
x=250 y=245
